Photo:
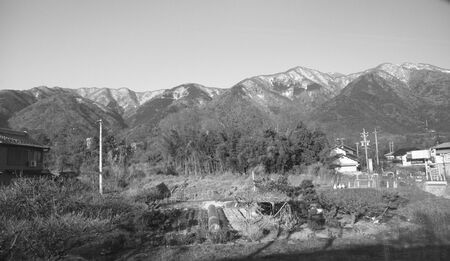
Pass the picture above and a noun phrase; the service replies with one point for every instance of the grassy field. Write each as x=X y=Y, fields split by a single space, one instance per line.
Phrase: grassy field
x=50 y=219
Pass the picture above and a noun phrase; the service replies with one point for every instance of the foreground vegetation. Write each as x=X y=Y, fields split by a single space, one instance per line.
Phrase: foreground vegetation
x=44 y=219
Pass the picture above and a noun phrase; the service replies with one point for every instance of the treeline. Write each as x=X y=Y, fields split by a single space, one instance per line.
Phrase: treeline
x=191 y=143
x=194 y=151
x=75 y=149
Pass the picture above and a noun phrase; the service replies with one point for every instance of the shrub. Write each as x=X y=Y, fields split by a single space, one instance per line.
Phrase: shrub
x=359 y=202
x=45 y=237
x=254 y=232
x=306 y=188
x=159 y=192
x=40 y=217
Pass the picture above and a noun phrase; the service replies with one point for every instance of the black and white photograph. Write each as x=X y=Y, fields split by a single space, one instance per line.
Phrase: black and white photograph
x=197 y=130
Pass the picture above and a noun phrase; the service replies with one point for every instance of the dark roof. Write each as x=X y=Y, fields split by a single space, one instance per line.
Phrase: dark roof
x=444 y=145
x=403 y=151
x=350 y=156
x=20 y=138
x=345 y=147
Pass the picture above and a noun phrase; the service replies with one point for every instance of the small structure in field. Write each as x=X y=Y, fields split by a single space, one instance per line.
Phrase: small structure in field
x=346 y=160
x=19 y=155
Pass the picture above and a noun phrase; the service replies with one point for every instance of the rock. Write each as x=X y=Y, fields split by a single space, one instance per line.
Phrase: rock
x=346 y=220
x=348 y=226
x=335 y=232
x=159 y=192
x=304 y=234
x=323 y=234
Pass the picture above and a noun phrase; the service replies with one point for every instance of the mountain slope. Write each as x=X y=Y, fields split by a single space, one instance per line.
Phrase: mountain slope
x=149 y=114
x=54 y=113
x=397 y=98
x=305 y=87
x=123 y=101
x=12 y=101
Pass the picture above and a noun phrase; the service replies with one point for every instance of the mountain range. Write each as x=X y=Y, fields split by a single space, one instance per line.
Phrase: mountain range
x=397 y=99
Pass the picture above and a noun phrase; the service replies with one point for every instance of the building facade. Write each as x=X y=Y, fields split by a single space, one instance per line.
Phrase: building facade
x=20 y=154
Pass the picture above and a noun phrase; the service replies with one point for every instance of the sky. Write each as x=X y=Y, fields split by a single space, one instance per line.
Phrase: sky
x=150 y=45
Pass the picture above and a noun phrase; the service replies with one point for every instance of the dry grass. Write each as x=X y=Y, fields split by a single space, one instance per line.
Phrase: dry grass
x=430 y=212
x=211 y=187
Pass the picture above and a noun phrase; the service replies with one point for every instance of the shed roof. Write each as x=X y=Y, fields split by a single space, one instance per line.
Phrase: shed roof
x=345 y=147
x=19 y=138
x=403 y=151
x=444 y=145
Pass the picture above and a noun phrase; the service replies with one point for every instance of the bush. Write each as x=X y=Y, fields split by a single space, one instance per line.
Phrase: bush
x=359 y=202
x=40 y=217
x=306 y=188
x=45 y=237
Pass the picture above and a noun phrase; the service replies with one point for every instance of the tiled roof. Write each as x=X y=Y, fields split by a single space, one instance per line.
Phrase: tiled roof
x=8 y=136
x=444 y=145
x=403 y=151
x=344 y=147
x=352 y=157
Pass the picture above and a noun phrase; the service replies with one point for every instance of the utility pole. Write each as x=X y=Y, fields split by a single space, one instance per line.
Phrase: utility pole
x=391 y=146
x=357 y=149
x=365 y=143
x=100 y=177
x=376 y=146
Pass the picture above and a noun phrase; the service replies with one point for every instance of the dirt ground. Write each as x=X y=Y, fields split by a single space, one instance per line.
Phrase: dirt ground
x=362 y=243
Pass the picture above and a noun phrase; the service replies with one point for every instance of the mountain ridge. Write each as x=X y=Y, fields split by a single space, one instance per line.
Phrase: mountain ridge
x=385 y=92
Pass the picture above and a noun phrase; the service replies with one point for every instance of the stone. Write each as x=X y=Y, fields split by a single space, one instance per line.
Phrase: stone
x=323 y=234
x=304 y=234
x=346 y=220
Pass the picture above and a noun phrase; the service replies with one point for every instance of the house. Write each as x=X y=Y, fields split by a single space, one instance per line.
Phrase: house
x=346 y=160
x=389 y=156
x=440 y=156
x=20 y=154
x=441 y=153
x=417 y=157
x=343 y=149
x=400 y=156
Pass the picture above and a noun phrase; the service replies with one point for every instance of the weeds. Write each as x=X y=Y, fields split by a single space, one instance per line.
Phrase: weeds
x=40 y=216
x=359 y=202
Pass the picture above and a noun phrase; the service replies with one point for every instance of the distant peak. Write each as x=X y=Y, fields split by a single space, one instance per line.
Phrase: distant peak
x=409 y=66
x=422 y=66
x=185 y=85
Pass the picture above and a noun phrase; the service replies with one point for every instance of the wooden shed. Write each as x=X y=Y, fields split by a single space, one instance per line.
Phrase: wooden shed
x=20 y=154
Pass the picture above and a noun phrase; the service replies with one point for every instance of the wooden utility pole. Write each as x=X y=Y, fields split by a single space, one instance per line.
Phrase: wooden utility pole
x=391 y=146
x=357 y=149
x=365 y=143
x=376 y=146
x=100 y=177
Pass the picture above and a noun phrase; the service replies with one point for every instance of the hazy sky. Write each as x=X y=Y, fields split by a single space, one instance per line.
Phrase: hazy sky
x=149 y=45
